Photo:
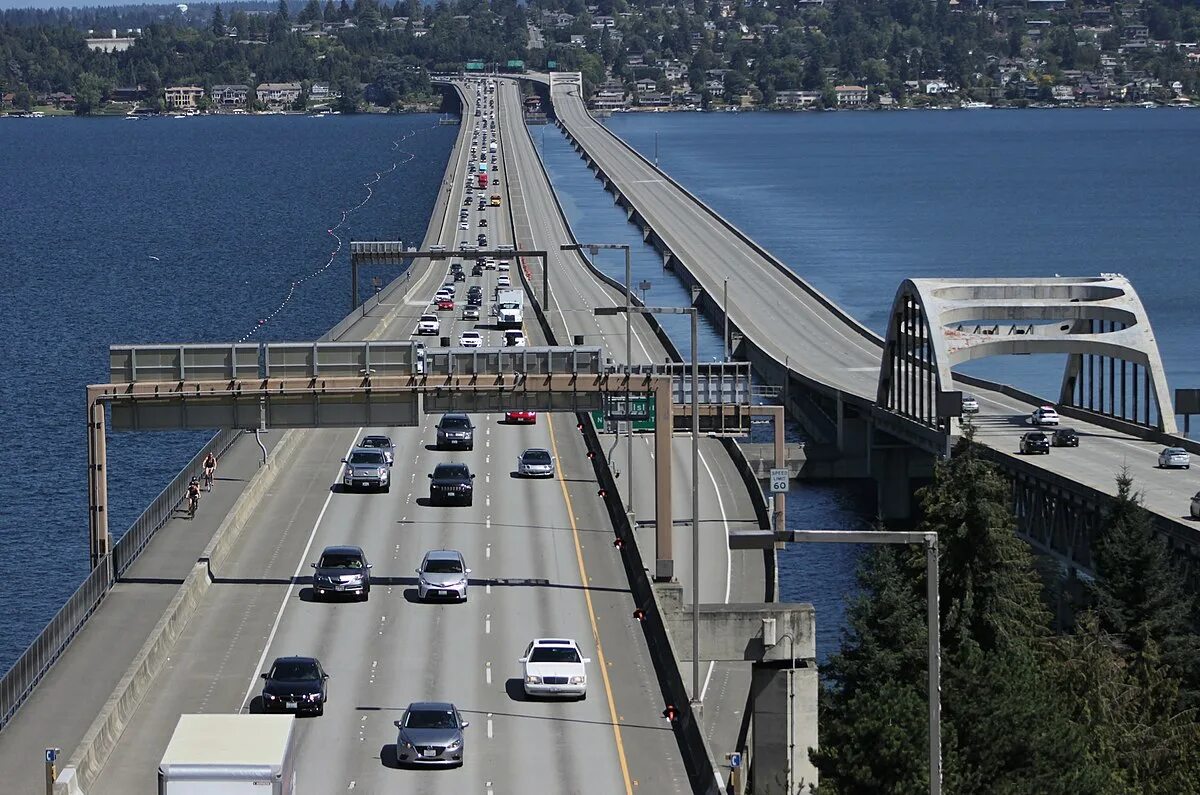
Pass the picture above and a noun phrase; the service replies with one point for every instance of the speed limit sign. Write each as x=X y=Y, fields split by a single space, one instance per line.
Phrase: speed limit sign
x=779 y=480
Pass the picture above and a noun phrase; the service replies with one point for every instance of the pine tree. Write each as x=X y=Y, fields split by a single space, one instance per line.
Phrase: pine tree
x=282 y=10
x=330 y=13
x=218 y=21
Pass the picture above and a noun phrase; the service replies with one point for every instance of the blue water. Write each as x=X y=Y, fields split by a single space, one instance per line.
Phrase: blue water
x=164 y=230
x=856 y=202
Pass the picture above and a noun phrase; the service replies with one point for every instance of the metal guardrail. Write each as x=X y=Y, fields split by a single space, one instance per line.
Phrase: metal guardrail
x=20 y=680
x=160 y=509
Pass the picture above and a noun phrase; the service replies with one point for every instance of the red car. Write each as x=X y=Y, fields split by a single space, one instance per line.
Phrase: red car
x=524 y=417
x=445 y=303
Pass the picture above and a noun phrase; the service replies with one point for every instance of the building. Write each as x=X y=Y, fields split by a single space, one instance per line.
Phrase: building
x=850 y=96
x=111 y=43
x=793 y=98
x=321 y=92
x=229 y=96
x=183 y=97
x=277 y=94
x=610 y=96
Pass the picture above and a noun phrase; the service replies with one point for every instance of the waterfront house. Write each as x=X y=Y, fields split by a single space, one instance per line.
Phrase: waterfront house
x=850 y=96
x=321 y=92
x=229 y=96
x=183 y=97
x=277 y=94
x=128 y=93
x=794 y=98
x=610 y=96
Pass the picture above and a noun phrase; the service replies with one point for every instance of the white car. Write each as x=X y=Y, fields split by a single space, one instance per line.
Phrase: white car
x=470 y=313
x=464 y=226
x=429 y=324
x=514 y=338
x=470 y=339
x=554 y=667
x=1173 y=457
x=970 y=403
x=535 y=462
x=502 y=281
x=1044 y=415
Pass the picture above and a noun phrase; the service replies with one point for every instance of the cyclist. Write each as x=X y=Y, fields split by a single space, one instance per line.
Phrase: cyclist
x=193 y=496
x=210 y=469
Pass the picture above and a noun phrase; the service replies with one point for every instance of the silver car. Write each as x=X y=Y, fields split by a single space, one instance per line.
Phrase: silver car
x=442 y=575
x=383 y=443
x=1173 y=457
x=535 y=463
x=430 y=733
x=367 y=468
x=970 y=403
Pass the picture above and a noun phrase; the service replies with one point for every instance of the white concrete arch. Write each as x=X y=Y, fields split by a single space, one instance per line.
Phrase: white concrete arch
x=938 y=323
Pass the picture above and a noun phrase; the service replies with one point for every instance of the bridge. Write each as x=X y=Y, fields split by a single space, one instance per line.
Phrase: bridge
x=191 y=618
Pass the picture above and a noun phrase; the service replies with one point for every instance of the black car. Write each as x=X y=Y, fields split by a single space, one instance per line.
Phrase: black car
x=1065 y=437
x=451 y=483
x=477 y=270
x=342 y=570
x=455 y=430
x=295 y=684
x=459 y=276
x=1035 y=442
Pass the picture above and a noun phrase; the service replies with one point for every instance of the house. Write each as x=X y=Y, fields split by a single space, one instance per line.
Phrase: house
x=673 y=70
x=850 y=96
x=937 y=87
x=321 y=92
x=578 y=40
x=183 y=97
x=128 y=93
x=111 y=43
x=794 y=98
x=1062 y=93
x=610 y=97
x=229 y=96
x=714 y=86
x=61 y=99
x=653 y=99
x=8 y=99
x=603 y=22
x=646 y=84
x=277 y=94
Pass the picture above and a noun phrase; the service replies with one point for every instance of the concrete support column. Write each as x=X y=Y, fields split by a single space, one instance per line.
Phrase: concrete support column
x=894 y=469
x=784 y=728
x=664 y=557
x=100 y=543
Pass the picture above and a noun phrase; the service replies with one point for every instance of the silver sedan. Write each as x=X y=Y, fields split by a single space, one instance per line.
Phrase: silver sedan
x=535 y=463
x=442 y=575
x=1173 y=457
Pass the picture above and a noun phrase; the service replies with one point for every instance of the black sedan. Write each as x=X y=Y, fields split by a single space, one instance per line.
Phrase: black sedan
x=451 y=483
x=1035 y=442
x=295 y=684
x=1065 y=437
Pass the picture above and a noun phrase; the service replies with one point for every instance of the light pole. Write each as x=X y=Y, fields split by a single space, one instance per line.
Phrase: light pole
x=694 y=313
x=593 y=249
x=725 y=312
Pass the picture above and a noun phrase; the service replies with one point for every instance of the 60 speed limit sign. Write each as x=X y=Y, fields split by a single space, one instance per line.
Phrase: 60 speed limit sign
x=779 y=481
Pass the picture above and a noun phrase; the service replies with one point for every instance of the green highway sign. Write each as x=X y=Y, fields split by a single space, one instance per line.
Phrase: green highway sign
x=641 y=413
x=551 y=64
x=475 y=66
x=516 y=65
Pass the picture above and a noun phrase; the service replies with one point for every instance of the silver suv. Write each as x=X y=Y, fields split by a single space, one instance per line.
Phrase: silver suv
x=455 y=430
x=443 y=575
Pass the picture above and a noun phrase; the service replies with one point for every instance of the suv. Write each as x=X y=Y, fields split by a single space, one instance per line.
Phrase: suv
x=1035 y=442
x=451 y=483
x=367 y=468
x=342 y=570
x=455 y=430
x=1065 y=437
x=442 y=574
x=1196 y=505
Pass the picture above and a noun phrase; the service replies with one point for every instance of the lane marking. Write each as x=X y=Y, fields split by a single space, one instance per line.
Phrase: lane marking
x=487 y=672
x=587 y=597
x=728 y=561
x=287 y=596
x=489 y=729
x=487 y=625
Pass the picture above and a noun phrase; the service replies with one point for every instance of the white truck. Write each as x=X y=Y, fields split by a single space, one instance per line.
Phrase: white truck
x=230 y=755
x=509 y=308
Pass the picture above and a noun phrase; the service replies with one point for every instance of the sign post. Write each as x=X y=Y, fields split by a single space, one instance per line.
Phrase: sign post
x=51 y=772
x=780 y=483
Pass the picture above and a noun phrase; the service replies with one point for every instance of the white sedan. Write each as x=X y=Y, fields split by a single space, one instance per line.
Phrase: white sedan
x=1044 y=415
x=470 y=339
x=429 y=324
x=554 y=667
x=1174 y=457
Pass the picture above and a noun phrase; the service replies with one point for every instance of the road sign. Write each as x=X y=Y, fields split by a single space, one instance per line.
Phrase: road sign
x=735 y=761
x=51 y=755
x=779 y=480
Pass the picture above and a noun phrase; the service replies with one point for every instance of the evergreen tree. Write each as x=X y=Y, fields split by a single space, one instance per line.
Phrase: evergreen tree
x=344 y=11
x=310 y=13
x=218 y=21
x=330 y=13
x=282 y=10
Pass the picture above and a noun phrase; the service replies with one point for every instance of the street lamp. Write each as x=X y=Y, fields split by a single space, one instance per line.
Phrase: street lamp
x=694 y=313
x=593 y=249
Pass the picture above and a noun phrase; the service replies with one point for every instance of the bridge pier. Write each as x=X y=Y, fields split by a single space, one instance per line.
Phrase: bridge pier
x=896 y=468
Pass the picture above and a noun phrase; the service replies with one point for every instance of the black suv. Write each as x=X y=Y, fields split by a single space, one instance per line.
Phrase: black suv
x=451 y=483
x=342 y=570
x=475 y=296
x=1065 y=437
x=1035 y=442
x=295 y=684
x=455 y=430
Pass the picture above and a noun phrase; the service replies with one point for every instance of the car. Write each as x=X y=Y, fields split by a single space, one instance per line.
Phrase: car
x=451 y=483
x=295 y=684
x=1174 y=458
x=445 y=303
x=483 y=242
x=475 y=300
x=535 y=462
x=482 y=223
x=1196 y=505
x=459 y=276
x=520 y=417
x=430 y=733
x=470 y=313
x=366 y=468
x=464 y=226
x=554 y=667
x=477 y=270
x=1035 y=442
x=1064 y=437
x=445 y=291
x=342 y=570
x=470 y=339
x=442 y=575
x=970 y=403
x=514 y=338
x=1044 y=415
x=383 y=443
x=503 y=281
x=455 y=429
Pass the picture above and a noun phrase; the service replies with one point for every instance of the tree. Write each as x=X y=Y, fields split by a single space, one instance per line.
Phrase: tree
x=330 y=13
x=350 y=95
x=89 y=88
x=218 y=21
x=282 y=10
x=310 y=13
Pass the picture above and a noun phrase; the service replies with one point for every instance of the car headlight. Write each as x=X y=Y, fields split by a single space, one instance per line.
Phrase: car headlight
x=382 y=472
x=530 y=679
x=454 y=744
x=578 y=680
x=269 y=697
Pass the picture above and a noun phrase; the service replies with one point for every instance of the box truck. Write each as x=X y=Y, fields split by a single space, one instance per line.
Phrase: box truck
x=230 y=755
x=509 y=308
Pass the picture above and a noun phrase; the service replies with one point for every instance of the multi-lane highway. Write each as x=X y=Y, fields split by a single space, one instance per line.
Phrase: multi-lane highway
x=542 y=566
x=792 y=323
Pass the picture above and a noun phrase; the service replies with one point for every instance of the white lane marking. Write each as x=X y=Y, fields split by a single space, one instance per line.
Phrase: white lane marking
x=287 y=596
x=487 y=478
x=487 y=588
x=728 y=559
x=487 y=625
x=487 y=459
x=487 y=551
x=489 y=731
x=487 y=672
x=351 y=785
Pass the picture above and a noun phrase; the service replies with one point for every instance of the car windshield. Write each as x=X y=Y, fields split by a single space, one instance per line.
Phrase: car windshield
x=452 y=471
x=537 y=457
x=1174 y=451
x=364 y=457
x=443 y=566
x=375 y=441
x=295 y=671
x=429 y=719
x=455 y=422
x=554 y=654
x=340 y=560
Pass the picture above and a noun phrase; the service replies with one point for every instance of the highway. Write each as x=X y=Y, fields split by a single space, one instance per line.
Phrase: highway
x=542 y=566
x=791 y=322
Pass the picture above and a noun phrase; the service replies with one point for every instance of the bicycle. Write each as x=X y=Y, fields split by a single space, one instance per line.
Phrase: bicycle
x=209 y=472
x=193 y=502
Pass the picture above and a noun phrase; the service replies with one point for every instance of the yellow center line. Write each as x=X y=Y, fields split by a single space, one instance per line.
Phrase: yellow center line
x=612 y=707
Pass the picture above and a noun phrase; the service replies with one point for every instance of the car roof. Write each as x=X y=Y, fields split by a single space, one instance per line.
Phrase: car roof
x=536 y=450
x=456 y=414
x=1065 y=430
x=444 y=554
x=295 y=658
x=1174 y=450
x=377 y=436
x=470 y=333
x=555 y=642
x=439 y=706
x=357 y=449
x=342 y=550
x=448 y=464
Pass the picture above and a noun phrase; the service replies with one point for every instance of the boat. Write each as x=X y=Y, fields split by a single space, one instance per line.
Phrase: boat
x=975 y=105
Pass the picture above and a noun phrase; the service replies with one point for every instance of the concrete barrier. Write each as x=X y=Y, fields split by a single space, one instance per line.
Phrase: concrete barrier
x=102 y=736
